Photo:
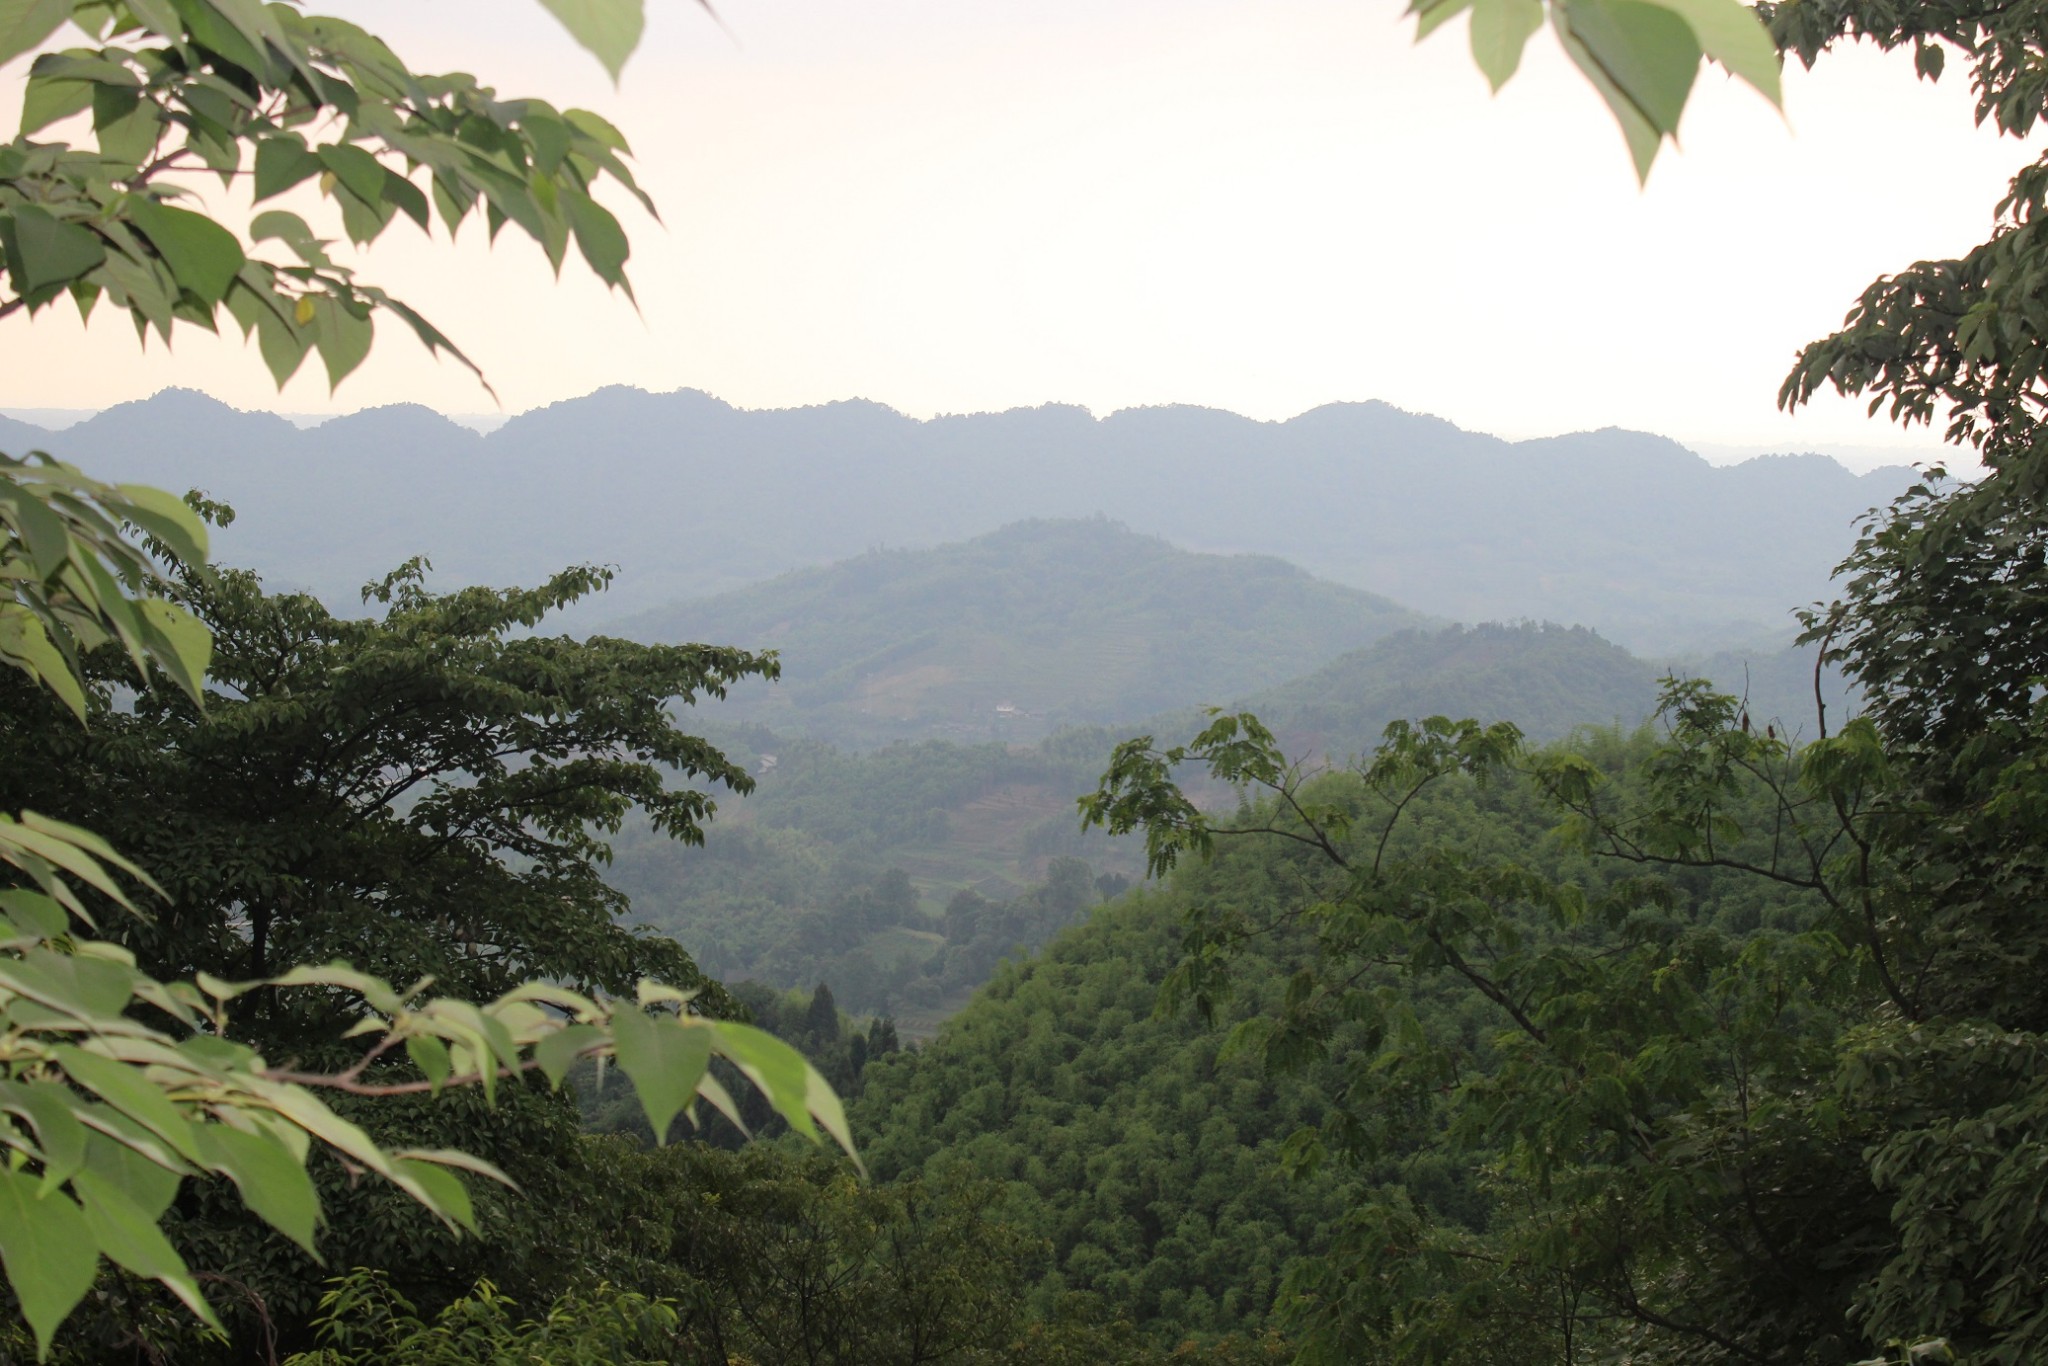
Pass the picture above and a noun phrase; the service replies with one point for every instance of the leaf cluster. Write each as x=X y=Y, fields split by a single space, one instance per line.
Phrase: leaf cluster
x=274 y=98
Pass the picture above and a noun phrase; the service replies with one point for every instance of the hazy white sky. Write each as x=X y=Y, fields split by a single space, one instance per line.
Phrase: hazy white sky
x=1261 y=205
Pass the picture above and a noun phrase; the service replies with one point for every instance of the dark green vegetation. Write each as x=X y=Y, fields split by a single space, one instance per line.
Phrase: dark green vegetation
x=1018 y=633
x=426 y=795
x=430 y=792
x=764 y=1257
x=901 y=877
x=1167 y=1159
x=904 y=875
x=688 y=496
x=134 y=1100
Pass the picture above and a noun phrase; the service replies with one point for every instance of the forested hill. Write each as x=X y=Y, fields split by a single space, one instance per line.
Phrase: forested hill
x=1547 y=679
x=1015 y=634
x=1629 y=533
x=1149 y=1151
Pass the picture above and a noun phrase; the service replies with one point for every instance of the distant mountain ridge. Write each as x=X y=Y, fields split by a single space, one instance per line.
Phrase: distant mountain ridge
x=688 y=495
x=1014 y=634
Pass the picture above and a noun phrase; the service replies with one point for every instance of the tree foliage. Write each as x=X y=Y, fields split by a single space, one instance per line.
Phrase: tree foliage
x=120 y=1084
x=427 y=791
x=276 y=98
x=1642 y=56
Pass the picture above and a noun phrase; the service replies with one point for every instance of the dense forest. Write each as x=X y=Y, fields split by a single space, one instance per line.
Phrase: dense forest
x=418 y=980
x=1156 y=1150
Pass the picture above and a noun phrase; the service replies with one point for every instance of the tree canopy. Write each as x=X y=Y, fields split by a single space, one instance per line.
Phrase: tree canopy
x=120 y=1083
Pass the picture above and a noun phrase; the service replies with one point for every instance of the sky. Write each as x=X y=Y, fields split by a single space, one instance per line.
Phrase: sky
x=1258 y=205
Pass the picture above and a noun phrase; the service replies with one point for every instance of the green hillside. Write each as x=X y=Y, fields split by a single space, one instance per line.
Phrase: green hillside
x=1546 y=679
x=1015 y=634
x=1152 y=1150
x=1147 y=1159
x=903 y=875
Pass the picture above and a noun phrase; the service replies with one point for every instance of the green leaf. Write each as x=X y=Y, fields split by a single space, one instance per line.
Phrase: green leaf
x=557 y=1051
x=88 y=986
x=1645 y=50
x=599 y=237
x=1927 y=60
x=48 y=1250
x=212 y=28
x=1500 y=30
x=183 y=648
x=608 y=29
x=202 y=255
x=1431 y=15
x=664 y=1060
x=341 y=335
x=166 y=517
x=356 y=169
x=375 y=991
x=1642 y=138
x=26 y=645
x=126 y=125
x=157 y=16
x=282 y=346
x=408 y=199
x=46 y=101
x=461 y=1161
x=1735 y=35
x=128 y=1235
x=772 y=1065
x=126 y=1090
x=150 y=1185
x=446 y=1195
x=43 y=533
x=49 y=1107
x=431 y=1057
x=282 y=162
x=34 y=913
x=85 y=844
x=27 y=23
x=273 y=1182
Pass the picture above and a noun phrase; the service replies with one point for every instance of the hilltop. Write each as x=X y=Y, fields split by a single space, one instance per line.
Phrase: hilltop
x=1012 y=635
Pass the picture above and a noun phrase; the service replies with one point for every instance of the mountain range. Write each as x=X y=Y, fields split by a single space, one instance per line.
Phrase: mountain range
x=1629 y=533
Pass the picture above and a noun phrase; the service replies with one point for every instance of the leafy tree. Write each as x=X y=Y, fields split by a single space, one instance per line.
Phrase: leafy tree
x=366 y=1321
x=424 y=792
x=821 y=1018
x=236 y=88
x=1860 y=1172
x=1621 y=1072
x=769 y=1256
x=117 y=1084
x=426 y=798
